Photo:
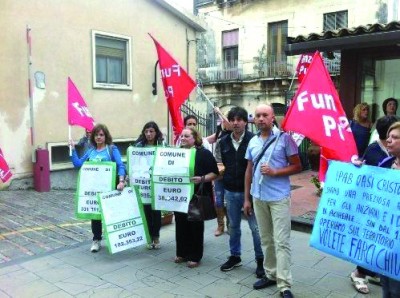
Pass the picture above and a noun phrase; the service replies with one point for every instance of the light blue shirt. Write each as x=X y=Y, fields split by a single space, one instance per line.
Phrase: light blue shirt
x=102 y=155
x=271 y=188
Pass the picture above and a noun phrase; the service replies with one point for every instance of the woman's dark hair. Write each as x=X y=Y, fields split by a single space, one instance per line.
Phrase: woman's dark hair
x=96 y=129
x=190 y=117
x=159 y=136
x=383 y=124
x=386 y=101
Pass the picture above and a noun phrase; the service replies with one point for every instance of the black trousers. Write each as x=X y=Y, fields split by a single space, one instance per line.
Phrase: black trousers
x=365 y=271
x=153 y=218
x=96 y=229
x=189 y=237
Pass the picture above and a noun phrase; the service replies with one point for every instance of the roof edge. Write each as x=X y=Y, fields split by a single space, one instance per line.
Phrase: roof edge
x=192 y=21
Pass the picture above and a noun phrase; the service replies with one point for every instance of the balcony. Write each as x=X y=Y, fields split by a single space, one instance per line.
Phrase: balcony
x=269 y=68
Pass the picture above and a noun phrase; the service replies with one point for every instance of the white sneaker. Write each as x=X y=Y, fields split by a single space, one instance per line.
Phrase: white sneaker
x=95 y=246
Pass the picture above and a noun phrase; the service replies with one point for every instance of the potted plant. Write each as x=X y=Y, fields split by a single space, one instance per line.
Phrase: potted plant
x=166 y=217
x=261 y=60
x=314 y=180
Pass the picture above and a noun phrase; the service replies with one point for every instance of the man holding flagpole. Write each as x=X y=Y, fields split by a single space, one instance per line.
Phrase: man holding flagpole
x=272 y=158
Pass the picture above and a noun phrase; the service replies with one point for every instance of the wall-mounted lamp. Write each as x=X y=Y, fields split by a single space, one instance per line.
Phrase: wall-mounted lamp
x=154 y=84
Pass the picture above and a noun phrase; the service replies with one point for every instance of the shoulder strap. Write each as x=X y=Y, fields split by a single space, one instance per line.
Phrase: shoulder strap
x=110 y=151
x=265 y=147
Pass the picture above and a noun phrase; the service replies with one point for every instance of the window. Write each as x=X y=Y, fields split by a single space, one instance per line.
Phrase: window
x=111 y=61
x=59 y=158
x=230 y=54
x=335 y=20
x=230 y=49
x=277 y=34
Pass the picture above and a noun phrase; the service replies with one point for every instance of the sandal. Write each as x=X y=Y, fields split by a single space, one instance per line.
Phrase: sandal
x=375 y=280
x=179 y=260
x=156 y=244
x=359 y=283
x=192 y=264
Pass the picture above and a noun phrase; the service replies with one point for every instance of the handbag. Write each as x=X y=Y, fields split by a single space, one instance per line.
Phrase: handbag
x=201 y=206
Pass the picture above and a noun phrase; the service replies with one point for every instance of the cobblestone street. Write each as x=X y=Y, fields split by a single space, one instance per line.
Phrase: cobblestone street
x=32 y=223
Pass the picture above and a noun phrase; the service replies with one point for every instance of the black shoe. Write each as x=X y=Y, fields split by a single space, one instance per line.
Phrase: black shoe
x=260 y=272
x=287 y=294
x=264 y=283
x=232 y=262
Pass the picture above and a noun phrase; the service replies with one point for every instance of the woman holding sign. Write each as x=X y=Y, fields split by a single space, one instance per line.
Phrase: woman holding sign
x=391 y=286
x=151 y=136
x=103 y=150
x=190 y=234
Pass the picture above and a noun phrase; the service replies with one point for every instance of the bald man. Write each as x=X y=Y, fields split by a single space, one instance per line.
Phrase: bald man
x=267 y=189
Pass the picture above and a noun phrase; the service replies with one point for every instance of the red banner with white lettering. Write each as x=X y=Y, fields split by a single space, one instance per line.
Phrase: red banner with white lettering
x=303 y=65
x=5 y=173
x=177 y=86
x=78 y=112
x=317 y=113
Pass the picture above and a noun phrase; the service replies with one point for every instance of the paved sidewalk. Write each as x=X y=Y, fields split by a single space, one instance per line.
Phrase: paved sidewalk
x=75 y=272
x=44 y=252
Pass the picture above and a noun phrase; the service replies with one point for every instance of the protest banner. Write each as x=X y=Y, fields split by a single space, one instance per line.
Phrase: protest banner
x=5 y=173
x=123 y=219
x=140 y=166
x=303 y=65
x=358 y=217
x=93 y=178
x=78 y=112
x=171 y=185
x=177 y=86
x=317 y=113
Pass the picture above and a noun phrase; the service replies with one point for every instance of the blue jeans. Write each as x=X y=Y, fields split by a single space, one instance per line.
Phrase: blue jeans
x=234 y=204
x=219 y=193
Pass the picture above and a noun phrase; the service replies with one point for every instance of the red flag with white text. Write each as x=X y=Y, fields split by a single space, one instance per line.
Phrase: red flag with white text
x=177 y=86
x=317 y=113
x=303 y=65
x=78 y=112
x=5 y=173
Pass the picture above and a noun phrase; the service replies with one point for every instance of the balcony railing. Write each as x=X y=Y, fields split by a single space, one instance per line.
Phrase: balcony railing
x=253 y=70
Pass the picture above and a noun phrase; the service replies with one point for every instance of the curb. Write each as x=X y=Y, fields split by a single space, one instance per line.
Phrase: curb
x=302 y=224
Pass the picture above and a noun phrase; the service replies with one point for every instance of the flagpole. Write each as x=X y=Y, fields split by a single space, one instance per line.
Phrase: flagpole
x=31 y=112
x=69 y=139
x=291 y=82
x=205 y=96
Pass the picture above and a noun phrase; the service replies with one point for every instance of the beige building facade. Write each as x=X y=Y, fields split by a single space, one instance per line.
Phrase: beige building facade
x=105 y=48
x=242 y=58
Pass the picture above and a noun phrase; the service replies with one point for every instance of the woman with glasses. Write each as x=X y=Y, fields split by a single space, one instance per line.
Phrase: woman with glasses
x=190 y=234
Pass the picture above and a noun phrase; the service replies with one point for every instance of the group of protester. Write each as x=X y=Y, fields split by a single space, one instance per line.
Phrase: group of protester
x=252 y=174
x=376 y=147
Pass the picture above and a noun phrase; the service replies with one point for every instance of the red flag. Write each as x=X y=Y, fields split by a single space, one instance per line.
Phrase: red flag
x=317 y=113
x=5 y=173
x=177 y=86
x=303 y=65
x=78 y=113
